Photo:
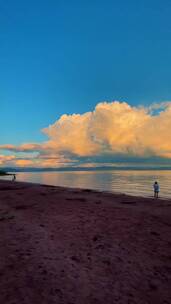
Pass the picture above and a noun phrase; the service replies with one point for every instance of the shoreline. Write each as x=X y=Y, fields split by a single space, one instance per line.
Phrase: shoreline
x=70 y=245
x=162 y=198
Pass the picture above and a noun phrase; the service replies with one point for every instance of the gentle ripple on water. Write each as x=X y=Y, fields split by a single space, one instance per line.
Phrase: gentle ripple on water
x=125 y=181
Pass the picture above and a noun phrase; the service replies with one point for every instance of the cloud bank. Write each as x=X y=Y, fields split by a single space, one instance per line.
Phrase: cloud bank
x=110 y=130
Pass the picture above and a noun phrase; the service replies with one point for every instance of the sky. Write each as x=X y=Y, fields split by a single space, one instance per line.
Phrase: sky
x=76 y=77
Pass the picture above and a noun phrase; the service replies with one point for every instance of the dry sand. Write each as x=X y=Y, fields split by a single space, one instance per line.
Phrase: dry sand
x=73 y=246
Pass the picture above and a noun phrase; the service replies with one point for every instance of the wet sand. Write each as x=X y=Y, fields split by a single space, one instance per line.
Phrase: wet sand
x=78 y=246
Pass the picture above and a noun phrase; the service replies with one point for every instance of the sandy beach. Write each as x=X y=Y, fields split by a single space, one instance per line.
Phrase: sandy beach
x=79 y=246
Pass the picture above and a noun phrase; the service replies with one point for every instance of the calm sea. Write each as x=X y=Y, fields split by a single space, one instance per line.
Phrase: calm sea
x=125 y=181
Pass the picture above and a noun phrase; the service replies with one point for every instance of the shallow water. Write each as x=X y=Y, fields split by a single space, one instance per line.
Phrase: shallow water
x=125 y=181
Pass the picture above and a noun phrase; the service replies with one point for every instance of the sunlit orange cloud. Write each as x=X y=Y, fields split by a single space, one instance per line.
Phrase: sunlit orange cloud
x=36 y=162
x=27 y=147
x=71 y=133
x=6 y=158
x=23 y=163
x=114 y=128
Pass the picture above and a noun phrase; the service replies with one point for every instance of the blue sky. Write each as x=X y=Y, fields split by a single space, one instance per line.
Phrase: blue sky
x=61 y=57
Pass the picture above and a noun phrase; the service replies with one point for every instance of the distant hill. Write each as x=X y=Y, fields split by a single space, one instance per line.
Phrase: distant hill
x=102 y=168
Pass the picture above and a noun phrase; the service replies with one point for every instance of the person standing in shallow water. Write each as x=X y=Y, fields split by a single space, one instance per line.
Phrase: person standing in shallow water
x=156 y=189
x=14 y=178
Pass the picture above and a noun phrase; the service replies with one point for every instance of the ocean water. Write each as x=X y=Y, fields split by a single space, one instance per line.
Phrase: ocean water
x=120 y=181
